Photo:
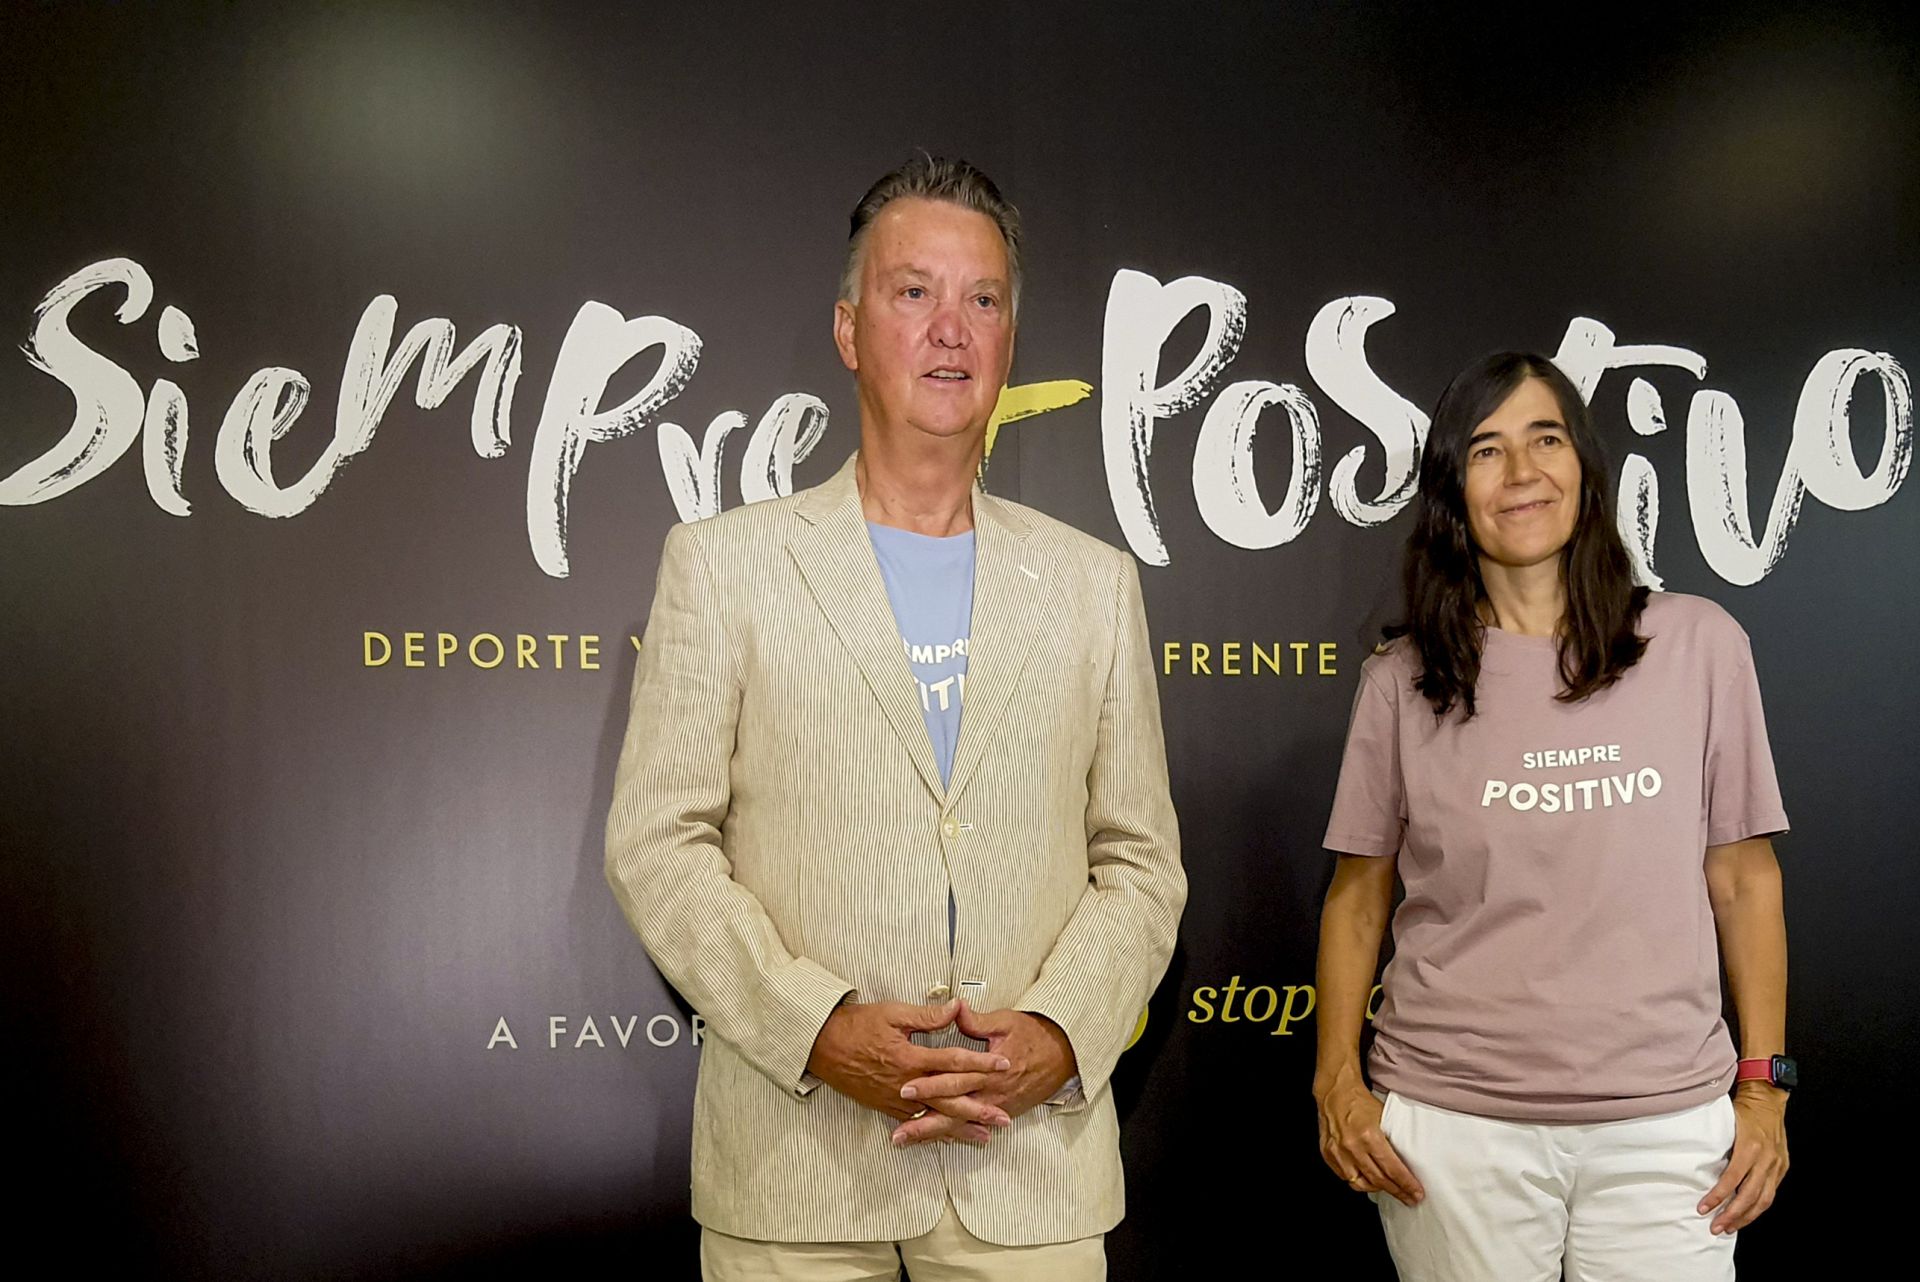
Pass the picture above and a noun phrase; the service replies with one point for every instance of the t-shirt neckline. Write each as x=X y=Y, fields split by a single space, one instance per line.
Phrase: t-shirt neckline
x=1520 y=640
x=894 y=531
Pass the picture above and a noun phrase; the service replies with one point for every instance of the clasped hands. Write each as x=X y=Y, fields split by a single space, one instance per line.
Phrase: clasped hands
x=865 y=1051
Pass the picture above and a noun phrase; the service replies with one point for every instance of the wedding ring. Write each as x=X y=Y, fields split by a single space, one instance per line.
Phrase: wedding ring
x=917 y=1116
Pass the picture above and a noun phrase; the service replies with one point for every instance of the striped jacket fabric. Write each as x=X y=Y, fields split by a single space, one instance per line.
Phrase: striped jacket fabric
x=780 y=837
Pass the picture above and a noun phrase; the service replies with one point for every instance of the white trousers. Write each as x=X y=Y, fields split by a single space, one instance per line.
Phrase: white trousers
x=1513 y=1202
x=948 y=1254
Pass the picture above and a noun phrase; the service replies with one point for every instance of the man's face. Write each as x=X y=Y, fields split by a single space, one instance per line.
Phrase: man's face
x=931 y=338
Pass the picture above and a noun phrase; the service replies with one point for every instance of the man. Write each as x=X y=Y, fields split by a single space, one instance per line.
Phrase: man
x=894 y=769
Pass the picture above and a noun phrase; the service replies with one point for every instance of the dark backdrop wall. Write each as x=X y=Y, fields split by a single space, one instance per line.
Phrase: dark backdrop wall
x=309 y=967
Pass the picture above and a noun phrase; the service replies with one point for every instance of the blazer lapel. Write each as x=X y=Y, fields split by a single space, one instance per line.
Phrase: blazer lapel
x=835 y=557
x=1012 y=584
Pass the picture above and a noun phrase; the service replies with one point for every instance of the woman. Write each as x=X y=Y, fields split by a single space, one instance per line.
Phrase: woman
x=1570 y=777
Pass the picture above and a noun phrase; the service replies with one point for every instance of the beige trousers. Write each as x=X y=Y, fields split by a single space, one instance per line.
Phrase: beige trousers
x=948 y=1254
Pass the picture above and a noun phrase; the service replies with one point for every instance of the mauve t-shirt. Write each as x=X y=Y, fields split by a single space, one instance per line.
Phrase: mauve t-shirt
x=1555 y=957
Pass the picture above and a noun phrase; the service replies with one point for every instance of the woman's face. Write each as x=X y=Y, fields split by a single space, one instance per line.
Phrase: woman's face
x=1522 y=479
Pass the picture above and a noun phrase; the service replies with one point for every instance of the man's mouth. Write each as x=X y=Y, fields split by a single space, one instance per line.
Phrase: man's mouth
x=949 y=375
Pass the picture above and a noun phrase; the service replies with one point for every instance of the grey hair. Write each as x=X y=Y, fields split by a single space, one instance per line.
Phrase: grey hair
x=929 y=177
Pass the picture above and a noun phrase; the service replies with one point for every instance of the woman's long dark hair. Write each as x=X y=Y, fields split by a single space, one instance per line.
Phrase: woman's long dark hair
x=1441 y=579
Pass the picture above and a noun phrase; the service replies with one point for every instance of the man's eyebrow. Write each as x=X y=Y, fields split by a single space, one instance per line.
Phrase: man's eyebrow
x=923 y=273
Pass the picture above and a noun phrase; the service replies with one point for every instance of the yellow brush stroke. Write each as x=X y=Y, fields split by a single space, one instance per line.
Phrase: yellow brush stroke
x=1028 y=399
x=1138 y=1029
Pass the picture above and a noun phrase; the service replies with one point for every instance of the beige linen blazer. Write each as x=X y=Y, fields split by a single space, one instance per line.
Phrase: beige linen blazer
x=780 y=838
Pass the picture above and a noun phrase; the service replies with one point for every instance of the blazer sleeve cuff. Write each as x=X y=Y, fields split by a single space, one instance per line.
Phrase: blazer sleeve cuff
x=1085 y=1030
x=798 y=1000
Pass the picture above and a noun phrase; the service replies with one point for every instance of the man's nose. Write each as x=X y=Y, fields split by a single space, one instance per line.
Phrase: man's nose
x=948 y=327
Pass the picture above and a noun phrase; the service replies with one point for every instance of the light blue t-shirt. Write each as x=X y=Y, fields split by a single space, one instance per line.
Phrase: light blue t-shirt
x=930 y=582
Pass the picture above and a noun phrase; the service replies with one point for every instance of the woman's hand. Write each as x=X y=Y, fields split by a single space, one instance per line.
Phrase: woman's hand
x=1351 y=925
x=1759 y=1160
x=1353 y=1144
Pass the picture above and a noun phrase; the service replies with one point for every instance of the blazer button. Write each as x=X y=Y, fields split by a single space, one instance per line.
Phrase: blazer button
x=939 y=993
x=950 y=828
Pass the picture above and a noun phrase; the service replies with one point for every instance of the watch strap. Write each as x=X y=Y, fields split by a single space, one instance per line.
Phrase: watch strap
x=1775 y=1070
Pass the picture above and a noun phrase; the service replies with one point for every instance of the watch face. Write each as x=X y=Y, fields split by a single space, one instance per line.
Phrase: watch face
x=1786 y=1073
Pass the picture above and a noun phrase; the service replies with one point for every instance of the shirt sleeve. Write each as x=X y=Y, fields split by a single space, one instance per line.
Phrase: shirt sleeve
x=1742 y=793
x=1369 y=805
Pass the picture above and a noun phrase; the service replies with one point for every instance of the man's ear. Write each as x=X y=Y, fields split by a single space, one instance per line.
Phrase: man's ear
x=844 y=315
